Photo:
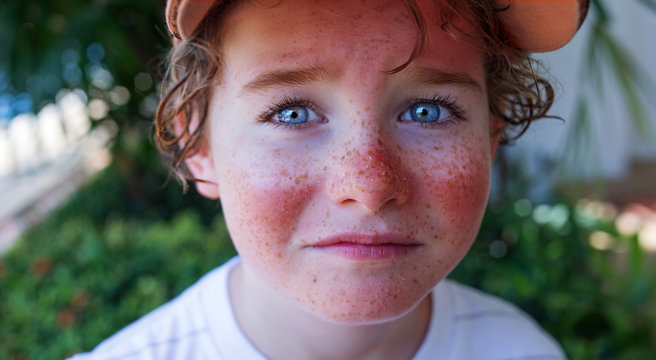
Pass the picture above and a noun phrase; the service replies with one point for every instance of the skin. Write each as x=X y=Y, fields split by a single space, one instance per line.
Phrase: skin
x=357 y=169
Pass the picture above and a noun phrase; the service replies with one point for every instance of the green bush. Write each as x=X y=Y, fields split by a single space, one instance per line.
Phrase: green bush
x=70 y=284
x=599 y=304
x=122 y=246
x=109 y=256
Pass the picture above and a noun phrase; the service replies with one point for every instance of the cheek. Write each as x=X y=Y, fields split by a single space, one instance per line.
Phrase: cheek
x=464 y=192
x=459 y=191
x=262 y=202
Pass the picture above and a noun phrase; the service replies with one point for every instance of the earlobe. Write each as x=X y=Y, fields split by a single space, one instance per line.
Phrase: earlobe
x=201 y=166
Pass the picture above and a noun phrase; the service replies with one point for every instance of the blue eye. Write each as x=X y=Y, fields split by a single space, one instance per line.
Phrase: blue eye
x=293 y=115
x=425 y=112
x=291 y=112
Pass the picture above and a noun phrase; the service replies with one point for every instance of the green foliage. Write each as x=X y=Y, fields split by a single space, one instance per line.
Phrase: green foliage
x=122 y=246
x=599 y=304
x=71 y=283
x=74 y=291
x=41 y=37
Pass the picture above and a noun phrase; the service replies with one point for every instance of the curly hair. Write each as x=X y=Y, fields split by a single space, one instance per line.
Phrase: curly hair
x=516 y=93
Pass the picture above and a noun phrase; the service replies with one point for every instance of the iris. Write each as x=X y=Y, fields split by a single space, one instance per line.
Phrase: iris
x=425 y=112
x=293 y=115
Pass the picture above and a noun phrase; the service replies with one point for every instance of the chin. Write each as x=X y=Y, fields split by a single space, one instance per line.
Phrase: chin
x=366 y=303
x=367 y=316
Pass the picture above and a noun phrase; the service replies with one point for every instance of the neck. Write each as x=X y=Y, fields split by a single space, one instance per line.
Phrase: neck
x=281 y=329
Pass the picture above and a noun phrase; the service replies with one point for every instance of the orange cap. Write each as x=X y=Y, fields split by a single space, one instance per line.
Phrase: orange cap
x=538 y=25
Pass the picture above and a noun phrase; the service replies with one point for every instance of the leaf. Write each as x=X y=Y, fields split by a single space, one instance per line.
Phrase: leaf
x=649 y=4
x=627 y=73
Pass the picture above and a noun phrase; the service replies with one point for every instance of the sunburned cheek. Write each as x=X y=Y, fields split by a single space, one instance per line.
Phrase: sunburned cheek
x=261 y=210
x=462 y=192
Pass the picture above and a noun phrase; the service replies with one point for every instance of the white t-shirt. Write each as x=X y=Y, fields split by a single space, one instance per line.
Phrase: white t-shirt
x=200 y=324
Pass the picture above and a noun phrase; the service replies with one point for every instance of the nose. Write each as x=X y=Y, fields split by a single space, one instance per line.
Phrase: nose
x=369 y=176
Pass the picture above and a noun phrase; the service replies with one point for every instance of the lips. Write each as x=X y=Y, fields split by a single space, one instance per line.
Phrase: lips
x=367 y=247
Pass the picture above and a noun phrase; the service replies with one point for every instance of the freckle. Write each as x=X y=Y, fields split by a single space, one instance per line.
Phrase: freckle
x=367 y=108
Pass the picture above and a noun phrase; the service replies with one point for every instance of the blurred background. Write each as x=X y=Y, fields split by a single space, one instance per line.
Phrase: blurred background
x=94 y=233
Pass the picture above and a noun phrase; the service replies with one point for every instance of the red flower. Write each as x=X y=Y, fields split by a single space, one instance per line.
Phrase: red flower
x=80 y=300
x=66 y=318
x=40 y=266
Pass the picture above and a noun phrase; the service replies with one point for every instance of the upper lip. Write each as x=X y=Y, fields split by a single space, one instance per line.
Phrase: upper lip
x=367 y=239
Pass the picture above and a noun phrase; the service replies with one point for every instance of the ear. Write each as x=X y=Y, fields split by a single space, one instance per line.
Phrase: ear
x=496 y=131
x=201 y=166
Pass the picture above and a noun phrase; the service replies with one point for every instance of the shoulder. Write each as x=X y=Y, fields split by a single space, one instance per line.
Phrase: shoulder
x=487 y=327
x=177 y=330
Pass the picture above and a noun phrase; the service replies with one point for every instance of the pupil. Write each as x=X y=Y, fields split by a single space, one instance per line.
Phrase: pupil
x=293 y=115
x=425 y=112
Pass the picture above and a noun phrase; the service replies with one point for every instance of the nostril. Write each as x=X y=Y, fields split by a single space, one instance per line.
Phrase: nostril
x=371 y=179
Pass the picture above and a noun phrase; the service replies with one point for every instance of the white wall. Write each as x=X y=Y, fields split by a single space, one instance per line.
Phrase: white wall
x=617 y=142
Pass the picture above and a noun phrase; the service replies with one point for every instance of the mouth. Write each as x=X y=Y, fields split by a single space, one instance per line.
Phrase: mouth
x=367 y=247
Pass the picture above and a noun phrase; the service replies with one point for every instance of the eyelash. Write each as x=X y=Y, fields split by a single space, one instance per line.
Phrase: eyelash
x=282 y=104
x=457 y=113
x=447 y=102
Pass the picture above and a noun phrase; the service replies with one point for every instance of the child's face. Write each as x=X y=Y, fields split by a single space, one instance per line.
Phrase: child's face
x=347 y=189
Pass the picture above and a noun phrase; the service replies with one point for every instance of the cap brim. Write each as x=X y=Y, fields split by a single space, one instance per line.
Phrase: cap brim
x=537 y=25
x=184 y=16
x=542 y=25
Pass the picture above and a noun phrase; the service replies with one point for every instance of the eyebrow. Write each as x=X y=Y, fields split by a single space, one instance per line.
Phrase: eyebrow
x=293 y=77
x=432 y=76
x=304 y=76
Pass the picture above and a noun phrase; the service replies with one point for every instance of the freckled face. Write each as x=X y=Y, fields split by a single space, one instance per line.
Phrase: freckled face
x=312 y=143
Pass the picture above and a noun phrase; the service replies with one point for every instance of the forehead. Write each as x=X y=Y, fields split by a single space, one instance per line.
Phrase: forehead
x=369 y=33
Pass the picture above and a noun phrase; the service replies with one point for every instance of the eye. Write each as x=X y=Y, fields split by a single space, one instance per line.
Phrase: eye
x=291 y=112
x=426 y=112
x=293 y=115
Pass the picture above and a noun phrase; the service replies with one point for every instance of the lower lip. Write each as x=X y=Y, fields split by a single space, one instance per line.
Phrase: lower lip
x=355 y=251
